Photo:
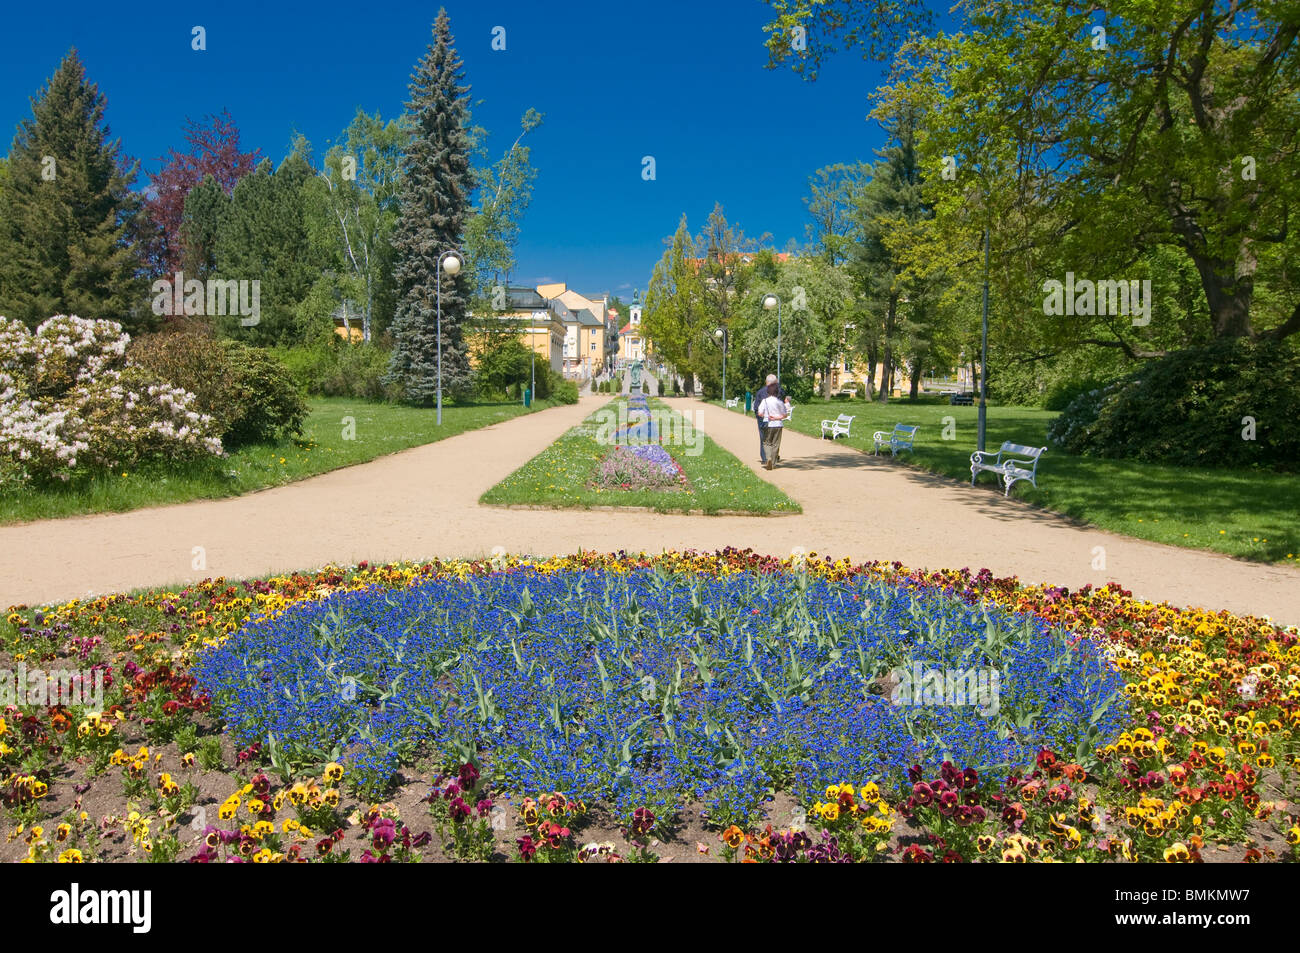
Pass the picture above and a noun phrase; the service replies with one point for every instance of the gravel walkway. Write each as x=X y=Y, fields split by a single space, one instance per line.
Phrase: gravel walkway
x=422 y=503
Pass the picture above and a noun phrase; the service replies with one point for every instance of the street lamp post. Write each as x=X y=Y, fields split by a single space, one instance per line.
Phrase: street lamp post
x=451 y=261
x=984 y=347
x=771 y=301
x=721 y=334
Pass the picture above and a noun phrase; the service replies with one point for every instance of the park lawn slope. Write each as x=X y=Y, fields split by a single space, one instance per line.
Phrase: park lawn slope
x=1252 y=514
x=560 y=476
x=338 y=432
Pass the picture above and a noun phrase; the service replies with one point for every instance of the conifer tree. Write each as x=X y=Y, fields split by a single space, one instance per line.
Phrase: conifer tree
x=200 y=227
x=435 y=203
x=67 y=214
x=262 y=236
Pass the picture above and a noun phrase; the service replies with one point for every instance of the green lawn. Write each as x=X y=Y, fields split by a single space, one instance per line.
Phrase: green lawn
x=379 y=429
x=560 y=474
x=1247 y=513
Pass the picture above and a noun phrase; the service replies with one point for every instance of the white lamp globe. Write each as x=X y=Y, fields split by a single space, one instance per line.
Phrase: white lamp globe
x=451 y=264
x=769 y=302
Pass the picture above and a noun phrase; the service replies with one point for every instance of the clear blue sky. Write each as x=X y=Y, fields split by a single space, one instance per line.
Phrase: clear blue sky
x=681 y=81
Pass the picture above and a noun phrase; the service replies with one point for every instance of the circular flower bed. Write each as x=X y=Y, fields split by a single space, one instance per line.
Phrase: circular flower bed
x=545 y=718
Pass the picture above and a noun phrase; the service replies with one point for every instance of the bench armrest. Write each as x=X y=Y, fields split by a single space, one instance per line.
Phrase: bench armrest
x=979 y=456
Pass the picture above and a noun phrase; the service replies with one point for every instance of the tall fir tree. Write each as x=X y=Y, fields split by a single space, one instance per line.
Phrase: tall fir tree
x=435 y=203
x=67 y=214
x=890 y=201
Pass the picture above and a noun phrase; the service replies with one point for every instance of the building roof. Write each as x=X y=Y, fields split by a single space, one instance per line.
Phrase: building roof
x=525 y=298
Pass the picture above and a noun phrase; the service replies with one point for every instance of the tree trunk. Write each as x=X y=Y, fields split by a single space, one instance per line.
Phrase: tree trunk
x=1229 y=285
x=826 y=381
x=871 y=372
x=887 y=365
x=916 y=379
x=1227 y=295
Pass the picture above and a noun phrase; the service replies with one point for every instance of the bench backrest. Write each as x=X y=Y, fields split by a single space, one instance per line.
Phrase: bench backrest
x=1020 y=450
x=906 y=430
x=845 y=419
x=1010 y=451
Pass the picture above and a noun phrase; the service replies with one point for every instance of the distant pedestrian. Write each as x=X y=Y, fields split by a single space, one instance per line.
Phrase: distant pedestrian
x=771 y=387
x=774 y=409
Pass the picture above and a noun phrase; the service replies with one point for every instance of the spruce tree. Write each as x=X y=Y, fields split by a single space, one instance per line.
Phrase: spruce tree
x=435 y=202
x=67 y=214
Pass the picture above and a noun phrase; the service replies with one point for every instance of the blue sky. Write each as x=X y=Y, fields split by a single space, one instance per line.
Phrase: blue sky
x=681 y=81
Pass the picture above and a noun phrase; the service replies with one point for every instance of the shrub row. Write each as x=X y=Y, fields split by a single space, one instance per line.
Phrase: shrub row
x=1232 y=404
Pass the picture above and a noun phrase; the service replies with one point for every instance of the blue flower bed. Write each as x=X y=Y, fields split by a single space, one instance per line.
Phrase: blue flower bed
x=642 y=687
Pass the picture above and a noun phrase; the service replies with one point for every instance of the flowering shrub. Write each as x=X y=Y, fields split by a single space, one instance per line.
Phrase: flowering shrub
x=246 y=390
x=70 y=403
x=643 y=467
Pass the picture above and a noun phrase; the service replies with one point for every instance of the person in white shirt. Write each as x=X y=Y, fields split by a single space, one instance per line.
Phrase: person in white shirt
x=774 y=411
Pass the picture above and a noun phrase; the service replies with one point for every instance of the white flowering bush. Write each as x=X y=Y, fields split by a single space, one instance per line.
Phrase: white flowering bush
x=70 y=403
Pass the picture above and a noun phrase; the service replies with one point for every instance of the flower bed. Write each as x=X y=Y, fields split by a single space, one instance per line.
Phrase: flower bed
x=535 y=711
x=644 y=467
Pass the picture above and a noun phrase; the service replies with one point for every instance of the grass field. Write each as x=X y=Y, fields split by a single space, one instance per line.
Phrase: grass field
x=327 y=443
x=560 y=475
x=1253 y=514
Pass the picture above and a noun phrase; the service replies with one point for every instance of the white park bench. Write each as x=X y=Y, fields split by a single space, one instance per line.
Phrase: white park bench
x=900 y=438
x=733 y=401
x=1012 y=462
x=839 y=427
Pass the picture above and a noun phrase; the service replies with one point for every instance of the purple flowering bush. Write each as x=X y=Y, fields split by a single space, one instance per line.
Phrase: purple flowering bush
x=639 y=468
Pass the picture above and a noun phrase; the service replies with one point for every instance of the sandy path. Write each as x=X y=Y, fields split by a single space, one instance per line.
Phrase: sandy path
x=423 y=503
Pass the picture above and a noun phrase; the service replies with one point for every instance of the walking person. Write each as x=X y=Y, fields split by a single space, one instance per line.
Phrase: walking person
x=772 y=386
x=774 y=409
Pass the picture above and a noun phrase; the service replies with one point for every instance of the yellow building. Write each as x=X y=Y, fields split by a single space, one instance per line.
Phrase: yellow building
x=588 y=350
x=538 y=326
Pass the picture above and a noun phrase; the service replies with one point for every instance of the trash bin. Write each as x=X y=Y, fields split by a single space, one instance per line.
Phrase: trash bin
x=749 y=401
x=528 y=397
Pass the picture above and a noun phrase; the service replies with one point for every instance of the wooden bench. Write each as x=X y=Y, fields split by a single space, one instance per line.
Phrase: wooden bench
x=1012 y=462
x=900 y=438
x=839 y=427
x=963 y=400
